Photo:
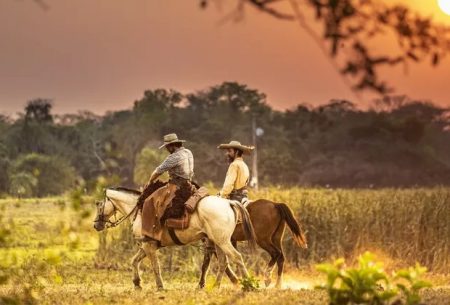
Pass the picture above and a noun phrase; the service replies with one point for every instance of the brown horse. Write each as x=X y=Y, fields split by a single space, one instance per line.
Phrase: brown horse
x=269 y=221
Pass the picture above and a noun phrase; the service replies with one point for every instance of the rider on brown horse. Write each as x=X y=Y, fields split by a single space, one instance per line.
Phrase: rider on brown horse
x=180 y=166
x=236 y=180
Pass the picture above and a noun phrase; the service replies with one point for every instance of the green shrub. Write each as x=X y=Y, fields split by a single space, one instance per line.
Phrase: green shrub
x=23 y=184
x=369 y=284
x=249 y=284
x=51 y=175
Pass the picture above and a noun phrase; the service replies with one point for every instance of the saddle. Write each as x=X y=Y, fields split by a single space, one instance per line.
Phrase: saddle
x=172 y=205
x=188 y=207
x=237 y=212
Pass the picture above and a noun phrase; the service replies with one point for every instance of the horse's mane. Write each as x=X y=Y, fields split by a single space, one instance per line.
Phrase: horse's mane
x=150 y=189
x=125 y=189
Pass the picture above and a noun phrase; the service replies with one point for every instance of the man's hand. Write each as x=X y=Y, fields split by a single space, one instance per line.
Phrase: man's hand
x=144 y=195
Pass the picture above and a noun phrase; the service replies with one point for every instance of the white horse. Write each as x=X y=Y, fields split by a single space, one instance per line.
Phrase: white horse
x=214 y=218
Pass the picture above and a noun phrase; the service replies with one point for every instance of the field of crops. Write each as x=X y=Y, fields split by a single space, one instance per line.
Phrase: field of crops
x=49 y=252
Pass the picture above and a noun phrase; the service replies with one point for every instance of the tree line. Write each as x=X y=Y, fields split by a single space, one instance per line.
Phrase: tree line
x=399 y=142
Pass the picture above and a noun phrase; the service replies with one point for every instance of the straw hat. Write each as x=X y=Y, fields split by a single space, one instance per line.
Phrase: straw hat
x=237 y=145
x=171 y=138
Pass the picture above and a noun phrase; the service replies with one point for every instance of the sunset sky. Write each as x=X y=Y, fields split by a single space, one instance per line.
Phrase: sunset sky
x=101 y=55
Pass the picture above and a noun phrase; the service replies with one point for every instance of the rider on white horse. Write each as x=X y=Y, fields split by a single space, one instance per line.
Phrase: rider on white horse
x=180 y=166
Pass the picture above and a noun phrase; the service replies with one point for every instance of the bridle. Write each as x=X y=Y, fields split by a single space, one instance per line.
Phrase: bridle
x=101 y=217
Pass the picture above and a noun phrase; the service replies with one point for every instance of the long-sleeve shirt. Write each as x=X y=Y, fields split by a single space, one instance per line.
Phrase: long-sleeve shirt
x=179 y=164
x=236 y=178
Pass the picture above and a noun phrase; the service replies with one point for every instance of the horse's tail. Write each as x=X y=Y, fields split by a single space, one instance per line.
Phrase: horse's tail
x=249 y=231
x=294 y=226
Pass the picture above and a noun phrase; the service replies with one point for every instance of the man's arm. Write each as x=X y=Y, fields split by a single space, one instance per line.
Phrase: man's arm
x=167 y=164
x=230 y=180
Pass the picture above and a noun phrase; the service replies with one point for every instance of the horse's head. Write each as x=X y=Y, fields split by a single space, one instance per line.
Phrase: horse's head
x=105 y=209
x=119 y=200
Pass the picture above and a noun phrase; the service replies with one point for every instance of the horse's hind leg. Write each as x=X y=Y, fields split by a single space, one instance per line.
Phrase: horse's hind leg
x=231 y=275
x=150 y=250
x=223 y=263
x=234 y=255
x=269 y=270
x=209 y=249
x=277 y=239
x=274 y=253
x=280 y=266
x=136 y=263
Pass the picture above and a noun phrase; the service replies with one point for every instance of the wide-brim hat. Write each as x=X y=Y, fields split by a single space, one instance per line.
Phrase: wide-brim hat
x=171 y=138
x=237 y=145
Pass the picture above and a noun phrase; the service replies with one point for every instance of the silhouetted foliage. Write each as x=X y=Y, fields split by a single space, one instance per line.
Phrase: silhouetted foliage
x=350 y=27
x=39 y=110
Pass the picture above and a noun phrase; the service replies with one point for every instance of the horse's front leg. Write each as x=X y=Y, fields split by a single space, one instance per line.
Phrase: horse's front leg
x=136 y=263
x=150 y=250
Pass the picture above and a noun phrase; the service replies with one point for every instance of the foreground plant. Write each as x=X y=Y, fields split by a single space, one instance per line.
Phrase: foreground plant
x=369 y=284
x=249 y=283
x=411 y=283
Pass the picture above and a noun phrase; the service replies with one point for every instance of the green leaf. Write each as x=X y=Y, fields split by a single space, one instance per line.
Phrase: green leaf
x=420 y=284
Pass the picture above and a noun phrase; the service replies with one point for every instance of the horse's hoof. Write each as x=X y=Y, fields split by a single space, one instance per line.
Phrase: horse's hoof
x=200 y=286
x=267 y=282
x=137 y=282
x=161 y=289
x=137 y=288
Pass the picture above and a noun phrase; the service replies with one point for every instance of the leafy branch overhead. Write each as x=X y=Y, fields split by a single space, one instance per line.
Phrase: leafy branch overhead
x=352 y=31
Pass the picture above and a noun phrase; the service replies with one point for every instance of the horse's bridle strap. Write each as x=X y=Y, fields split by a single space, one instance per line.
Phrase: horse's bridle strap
x=101 y=216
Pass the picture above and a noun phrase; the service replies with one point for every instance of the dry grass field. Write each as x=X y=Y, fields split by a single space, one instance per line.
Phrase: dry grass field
x=50 y=254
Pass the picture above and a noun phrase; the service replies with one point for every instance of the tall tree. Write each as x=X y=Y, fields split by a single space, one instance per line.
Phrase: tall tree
x=39 y=110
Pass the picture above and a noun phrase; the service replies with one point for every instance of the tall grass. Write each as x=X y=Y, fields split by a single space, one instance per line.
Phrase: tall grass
x=409 y=225
x=403 y=226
